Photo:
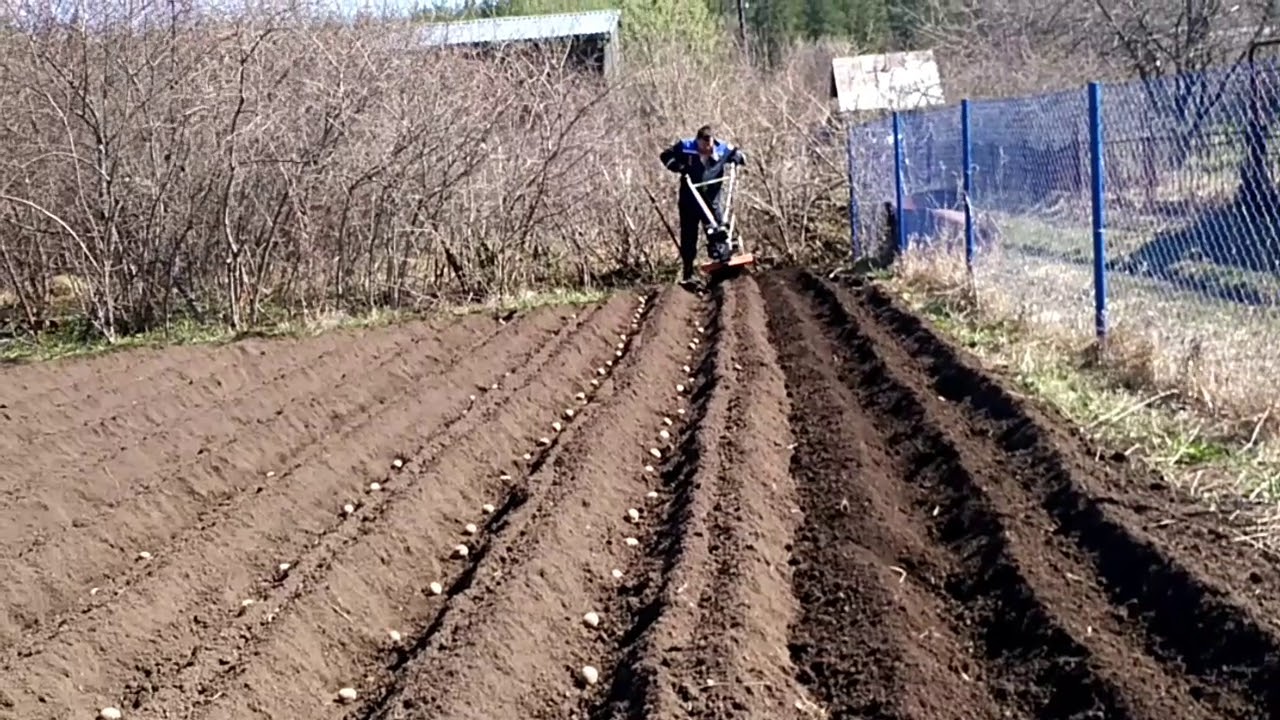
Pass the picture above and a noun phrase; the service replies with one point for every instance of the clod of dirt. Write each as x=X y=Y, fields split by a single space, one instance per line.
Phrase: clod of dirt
x=347 y=694
x=631 y=542
x=655 y=452
x=470 y=529
x=487 y=508
x=591 y=619
x=436 y=588
x=110 y=713
x=461 y=551
x=375 y=487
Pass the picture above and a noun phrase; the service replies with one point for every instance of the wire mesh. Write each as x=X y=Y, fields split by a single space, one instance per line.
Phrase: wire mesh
x=932 y=178
x=1193 y=249
x=1191 y=206
x=1031 y=206
x=871 y=184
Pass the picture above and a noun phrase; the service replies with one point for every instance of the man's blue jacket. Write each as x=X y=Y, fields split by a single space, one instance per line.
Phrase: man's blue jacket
x=683 y=158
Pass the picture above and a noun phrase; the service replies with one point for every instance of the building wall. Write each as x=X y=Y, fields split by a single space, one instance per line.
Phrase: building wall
x=595 y=54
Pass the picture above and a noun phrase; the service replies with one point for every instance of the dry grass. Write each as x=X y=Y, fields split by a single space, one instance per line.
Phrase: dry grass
x=1196 y=424
x=1219 y=352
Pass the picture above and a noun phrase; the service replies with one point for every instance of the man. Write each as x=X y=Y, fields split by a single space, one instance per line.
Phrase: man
x=702 y=158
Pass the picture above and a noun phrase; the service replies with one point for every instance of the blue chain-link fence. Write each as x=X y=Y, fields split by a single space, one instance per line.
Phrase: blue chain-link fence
x=1148 y=212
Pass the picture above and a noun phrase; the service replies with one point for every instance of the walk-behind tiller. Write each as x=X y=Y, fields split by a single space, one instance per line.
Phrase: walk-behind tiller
x=734 y=256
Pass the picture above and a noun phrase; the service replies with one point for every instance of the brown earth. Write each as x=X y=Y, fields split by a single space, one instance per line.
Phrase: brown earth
x=836 y=515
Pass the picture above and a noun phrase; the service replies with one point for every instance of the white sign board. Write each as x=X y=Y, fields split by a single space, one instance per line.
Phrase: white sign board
x=892 y=81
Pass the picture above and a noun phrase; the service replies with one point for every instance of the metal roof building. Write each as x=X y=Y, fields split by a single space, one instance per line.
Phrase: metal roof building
x=595 y=34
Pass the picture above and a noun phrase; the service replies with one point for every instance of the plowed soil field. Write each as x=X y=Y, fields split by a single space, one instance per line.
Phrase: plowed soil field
x=785 y=498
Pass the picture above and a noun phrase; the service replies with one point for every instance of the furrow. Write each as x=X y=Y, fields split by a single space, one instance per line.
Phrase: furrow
x=511 y=640
x=121 y=414
x=708 y=633
x=333 y=605
x=872 y=637
x=649 y=582
x=156 y=442
x=221 y=372
x=276 y=521
x=1184 y=638
x=186 y=504
x=1049 y=646
x=738 y=664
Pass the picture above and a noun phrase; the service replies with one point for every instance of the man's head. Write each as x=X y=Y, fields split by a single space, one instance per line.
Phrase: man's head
x=705 y=140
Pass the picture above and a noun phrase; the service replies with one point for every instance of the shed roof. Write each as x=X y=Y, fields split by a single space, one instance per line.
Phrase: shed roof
x=522 y=27
x=889 y=81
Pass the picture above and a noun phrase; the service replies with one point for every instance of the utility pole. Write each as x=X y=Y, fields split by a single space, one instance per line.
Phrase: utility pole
x=742 y=27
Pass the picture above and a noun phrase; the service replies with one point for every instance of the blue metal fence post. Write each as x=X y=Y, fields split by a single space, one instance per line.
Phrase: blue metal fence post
x=898 y=189
x=966 y=138
x=855 y=248
x=1099 y=211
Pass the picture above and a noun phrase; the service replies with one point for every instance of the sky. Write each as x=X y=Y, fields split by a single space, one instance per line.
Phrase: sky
x=18 y=11
x=397 y=7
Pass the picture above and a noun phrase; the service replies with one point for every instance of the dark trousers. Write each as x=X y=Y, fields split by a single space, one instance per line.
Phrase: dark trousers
x=692 y=219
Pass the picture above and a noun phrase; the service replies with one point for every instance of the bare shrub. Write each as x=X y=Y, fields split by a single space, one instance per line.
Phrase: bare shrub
x=237 y=168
